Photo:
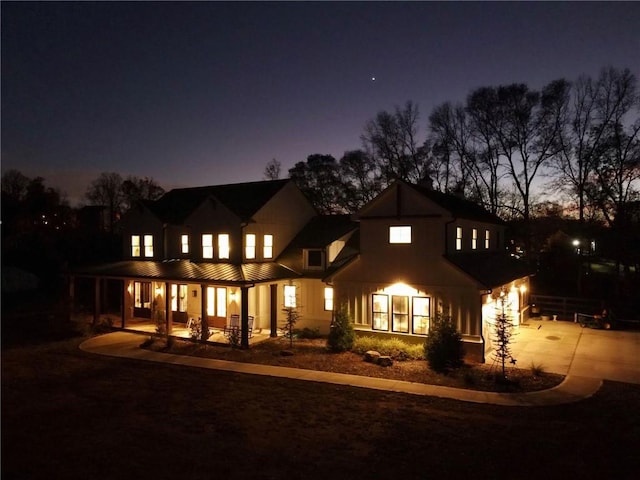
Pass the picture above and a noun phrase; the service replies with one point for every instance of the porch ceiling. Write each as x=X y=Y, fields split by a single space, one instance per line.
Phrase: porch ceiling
x=190 y=271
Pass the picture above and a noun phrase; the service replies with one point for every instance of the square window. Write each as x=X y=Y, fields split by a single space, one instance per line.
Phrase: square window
x=314 y=259
x=400 y=234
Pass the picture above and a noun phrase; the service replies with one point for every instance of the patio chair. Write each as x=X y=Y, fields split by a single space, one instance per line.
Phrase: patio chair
x=233 y=325
x=250 y=326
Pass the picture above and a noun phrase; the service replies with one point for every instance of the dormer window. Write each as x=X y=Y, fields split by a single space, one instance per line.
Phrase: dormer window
x=207 y=245
x=148 y=246
x=250 y=246
x=400 y=234
x=458 y=238
x=314 y=259
x=268 y=246
x=184 y=242
x=135 y=245
x=223 y=246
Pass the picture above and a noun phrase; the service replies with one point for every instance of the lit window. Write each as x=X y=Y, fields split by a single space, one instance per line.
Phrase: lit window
x=221 y=301
x=250 y=246
x=474 y=238
x=420 y=319
x=289 y=296
x=268 y=246
x=142 y=294
x=135 y=245
x=487 y=239
x=184 y=241
x=328 y=298
x=207 y=245
x=148 y=245
x=400 y=313
x=211 y=301
x=458 y=238
x=179 y=298
x=223 y=245
x=400 y=234
x=380 y=312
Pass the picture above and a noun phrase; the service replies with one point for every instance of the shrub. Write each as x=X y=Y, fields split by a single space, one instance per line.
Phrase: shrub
x=537 y=370
x=392 y=347
x=341 y=334
x=307 y=333
x=443 y=348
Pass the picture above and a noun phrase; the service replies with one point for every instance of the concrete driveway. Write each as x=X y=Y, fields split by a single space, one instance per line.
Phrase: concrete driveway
x=568 y=349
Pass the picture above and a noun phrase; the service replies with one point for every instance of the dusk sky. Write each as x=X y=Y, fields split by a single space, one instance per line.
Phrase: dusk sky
x=207 y=93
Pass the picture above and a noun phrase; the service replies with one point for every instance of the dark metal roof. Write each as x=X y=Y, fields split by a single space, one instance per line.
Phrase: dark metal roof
x=458 y=206
x=243 y=199
x=321 y=230
x=491 y=269
x=227 y=273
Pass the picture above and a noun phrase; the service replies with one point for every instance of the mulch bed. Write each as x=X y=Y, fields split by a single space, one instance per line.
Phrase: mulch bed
x=312 y=354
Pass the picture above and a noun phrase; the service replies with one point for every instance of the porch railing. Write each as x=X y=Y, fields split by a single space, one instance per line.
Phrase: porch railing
x=564 y=307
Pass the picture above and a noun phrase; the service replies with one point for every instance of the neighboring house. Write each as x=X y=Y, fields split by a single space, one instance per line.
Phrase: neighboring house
x=254 y=249
x=424 y=254
x=210 y=252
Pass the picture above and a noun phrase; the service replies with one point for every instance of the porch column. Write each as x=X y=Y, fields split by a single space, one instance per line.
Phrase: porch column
x=203 y=312
x=167 y=308
x=274 y=310
x=96 y=304
x=123 y=304
x=244 y=317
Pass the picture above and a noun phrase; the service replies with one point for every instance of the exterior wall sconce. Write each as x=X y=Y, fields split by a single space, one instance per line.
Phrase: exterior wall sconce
x=232 y=296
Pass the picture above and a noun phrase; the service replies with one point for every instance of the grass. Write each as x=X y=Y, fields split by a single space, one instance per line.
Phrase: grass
x=73 y=415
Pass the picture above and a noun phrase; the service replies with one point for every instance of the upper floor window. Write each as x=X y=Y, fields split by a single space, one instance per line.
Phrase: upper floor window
x=268 y=246
x=458 y=238
x=148 y=245
x=184 y=242
x=223 y=245
x=328 y=298
x=313 y=259
x=289 y=296
x=487 y=239
x=135 y=245
x=250 y=246
x=474 y=238
x=207 y=245
x=400 y=234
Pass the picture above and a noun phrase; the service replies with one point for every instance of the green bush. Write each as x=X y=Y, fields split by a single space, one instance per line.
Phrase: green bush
x=443 y=348
x=341 y=334
x=307 y=332
x=393 y=347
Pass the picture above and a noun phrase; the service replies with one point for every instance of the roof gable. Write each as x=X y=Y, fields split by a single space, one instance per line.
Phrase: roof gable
x=242 y=199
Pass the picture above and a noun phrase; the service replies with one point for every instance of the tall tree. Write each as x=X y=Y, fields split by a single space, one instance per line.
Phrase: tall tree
x=360 y=180
x=106 y=190
x=14 y=184
x=139 y=188
x=319 y=179
x=391 y=139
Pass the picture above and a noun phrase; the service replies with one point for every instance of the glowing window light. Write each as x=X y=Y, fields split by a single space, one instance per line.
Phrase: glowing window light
x=400 y=234
x=328 y=298
x=223 y=245
x=268 y=246
x=148 y=245
x=207 y=245
x=135 y=245
x=184 y=241
x=250 y=246
x=289 y=296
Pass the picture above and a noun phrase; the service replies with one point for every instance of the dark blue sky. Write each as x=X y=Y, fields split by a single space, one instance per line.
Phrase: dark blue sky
x=208 y=93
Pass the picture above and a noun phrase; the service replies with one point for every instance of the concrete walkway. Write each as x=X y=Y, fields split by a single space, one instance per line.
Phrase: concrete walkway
x=126 y=345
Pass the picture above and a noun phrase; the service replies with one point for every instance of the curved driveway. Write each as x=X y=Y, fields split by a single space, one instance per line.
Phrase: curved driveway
x=585 y=356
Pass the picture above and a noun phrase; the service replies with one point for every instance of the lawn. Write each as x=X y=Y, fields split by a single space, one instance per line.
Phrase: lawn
x=70 y=414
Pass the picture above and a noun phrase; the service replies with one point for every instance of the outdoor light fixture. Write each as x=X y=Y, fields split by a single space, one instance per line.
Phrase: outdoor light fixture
x=232 y=296
x=159 y=290
x=523 y=288
x=576 y=243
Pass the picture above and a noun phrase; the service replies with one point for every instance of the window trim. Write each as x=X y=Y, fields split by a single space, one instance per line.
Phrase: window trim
x=328 y=299
x=184 y=243
x=487 y=239
x=383 y=320
x=307 y=255
x=400 y=234
x=135 y=246
x=224 y=247
x=474 y=239
x=148 y=245
x=414 y=316
x=250 y=246
x=207 y=245
x=267 y=245
x=459 y=237
x=406 y=314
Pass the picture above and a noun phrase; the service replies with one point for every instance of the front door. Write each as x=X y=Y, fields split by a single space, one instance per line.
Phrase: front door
x=142 y=299
x=217 y=307
x=179 y=301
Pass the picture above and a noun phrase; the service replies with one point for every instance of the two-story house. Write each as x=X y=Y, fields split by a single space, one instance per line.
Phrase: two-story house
x=207 y=253
x=423 y=253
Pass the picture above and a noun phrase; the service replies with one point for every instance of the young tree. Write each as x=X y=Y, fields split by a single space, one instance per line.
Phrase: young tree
x=502 y=333
x=341 y=334
x=272 y=170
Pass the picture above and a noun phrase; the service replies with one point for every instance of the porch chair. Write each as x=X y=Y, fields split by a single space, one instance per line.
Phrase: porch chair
x=232 y=325
x=250 y=324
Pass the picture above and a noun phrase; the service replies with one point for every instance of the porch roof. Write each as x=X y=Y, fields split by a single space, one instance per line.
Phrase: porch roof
x=226 y=273
x=491 y=269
